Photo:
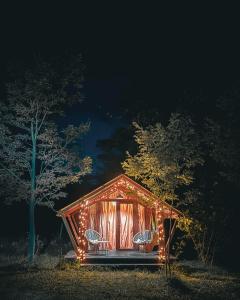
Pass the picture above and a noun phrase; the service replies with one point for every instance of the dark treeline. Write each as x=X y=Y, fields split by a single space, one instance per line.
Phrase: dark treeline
x=216 y=119
x=217 y=181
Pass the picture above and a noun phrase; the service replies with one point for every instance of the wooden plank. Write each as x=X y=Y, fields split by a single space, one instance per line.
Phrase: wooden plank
x=76 y=215
x=75 y=233
x=122 y=265
x=95 y=193
x=70 y=235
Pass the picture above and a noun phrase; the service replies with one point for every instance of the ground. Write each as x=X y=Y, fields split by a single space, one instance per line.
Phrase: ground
x=52 y=278
x=189 y=281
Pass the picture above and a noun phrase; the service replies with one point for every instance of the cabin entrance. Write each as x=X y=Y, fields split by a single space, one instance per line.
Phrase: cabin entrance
x=117 y=222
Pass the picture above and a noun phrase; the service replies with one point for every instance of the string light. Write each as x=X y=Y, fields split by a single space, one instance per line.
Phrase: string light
x=81 y=233
x=161 y=238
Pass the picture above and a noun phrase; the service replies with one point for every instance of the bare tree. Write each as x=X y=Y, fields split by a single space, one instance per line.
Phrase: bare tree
x=37 y=160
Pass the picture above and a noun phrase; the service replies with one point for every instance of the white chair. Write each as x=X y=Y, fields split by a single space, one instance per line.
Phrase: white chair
x=143 y=238
x=95 y=239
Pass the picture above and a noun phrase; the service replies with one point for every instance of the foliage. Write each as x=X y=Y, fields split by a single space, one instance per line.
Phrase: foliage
x=37 y=160
x=166 y=156
x=166 y=162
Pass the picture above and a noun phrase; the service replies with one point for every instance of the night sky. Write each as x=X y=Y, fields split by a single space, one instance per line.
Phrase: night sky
x=134 y=55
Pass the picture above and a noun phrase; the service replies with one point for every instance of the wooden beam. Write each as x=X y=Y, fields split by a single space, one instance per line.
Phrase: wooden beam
x=73 y=217
x=70 y=234
x=75 y=233
x=104 y=188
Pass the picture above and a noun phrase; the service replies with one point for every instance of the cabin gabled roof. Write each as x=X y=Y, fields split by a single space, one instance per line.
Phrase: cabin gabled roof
x=121 y=180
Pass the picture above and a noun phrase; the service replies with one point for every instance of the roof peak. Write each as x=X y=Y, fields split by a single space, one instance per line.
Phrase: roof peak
x=104 y=188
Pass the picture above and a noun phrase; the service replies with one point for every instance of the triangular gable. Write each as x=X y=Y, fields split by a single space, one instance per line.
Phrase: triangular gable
x=121 y=187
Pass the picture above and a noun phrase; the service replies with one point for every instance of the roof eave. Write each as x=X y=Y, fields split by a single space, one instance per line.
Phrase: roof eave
x=62 y=212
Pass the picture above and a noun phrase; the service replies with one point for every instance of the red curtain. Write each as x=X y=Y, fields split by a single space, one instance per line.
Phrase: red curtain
x=107 y=223
x=92 y=217
x=126 y=226
x=102 y=218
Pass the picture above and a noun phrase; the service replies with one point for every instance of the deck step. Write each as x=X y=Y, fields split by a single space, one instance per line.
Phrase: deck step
x=130 y=266
x=121 y=260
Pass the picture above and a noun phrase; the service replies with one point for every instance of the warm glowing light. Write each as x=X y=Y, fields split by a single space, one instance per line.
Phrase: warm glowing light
x=82 y=228
x=160 y=220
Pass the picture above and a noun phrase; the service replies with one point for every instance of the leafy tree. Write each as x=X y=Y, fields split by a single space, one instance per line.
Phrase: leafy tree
x=166 y=163
x=37 y=160
x=166 y=156
x=197 y=165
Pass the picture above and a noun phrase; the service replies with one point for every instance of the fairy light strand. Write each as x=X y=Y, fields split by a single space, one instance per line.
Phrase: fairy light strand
x=82 y=229
x=159 y=214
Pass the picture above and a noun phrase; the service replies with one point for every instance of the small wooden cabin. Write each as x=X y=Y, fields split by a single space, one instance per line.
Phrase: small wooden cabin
x=118 y=210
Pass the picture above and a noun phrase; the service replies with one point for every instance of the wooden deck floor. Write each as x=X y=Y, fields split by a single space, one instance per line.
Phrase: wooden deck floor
x=121 y=259
x=123 y=254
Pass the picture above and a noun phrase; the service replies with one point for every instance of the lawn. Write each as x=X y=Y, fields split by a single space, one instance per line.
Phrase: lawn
x=190 y=280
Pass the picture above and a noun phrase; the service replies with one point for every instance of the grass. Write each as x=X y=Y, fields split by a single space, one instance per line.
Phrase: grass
x=71 y=281
x=52 y=278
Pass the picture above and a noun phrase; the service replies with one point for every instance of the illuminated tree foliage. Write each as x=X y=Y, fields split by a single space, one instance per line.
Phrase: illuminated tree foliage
x=166 y=160
x=166 y=156
x=37 y=160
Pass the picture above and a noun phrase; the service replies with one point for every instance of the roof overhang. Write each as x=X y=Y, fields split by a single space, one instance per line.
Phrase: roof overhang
x=120 y=182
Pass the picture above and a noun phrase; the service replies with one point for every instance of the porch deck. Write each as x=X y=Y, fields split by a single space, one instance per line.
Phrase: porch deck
x=126 y=254
x=121 y=258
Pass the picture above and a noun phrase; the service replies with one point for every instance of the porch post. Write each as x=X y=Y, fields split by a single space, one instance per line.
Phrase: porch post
x=70 y=235
x=160 y=229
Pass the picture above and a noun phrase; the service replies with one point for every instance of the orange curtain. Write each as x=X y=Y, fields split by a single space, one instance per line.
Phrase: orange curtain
x=126 y=226
x=102 y=218
x=107 y=223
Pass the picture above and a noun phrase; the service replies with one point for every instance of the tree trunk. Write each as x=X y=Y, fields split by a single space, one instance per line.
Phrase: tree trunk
x=32 y=238
x=31 y=241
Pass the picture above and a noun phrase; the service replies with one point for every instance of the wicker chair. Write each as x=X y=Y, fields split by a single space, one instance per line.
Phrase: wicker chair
x=143 y=238
x=95 y=239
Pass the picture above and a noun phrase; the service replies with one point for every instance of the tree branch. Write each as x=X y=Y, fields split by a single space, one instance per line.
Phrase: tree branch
x=13 y=174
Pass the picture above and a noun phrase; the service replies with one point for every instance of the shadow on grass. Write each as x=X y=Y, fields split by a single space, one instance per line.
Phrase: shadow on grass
x=178 y=285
